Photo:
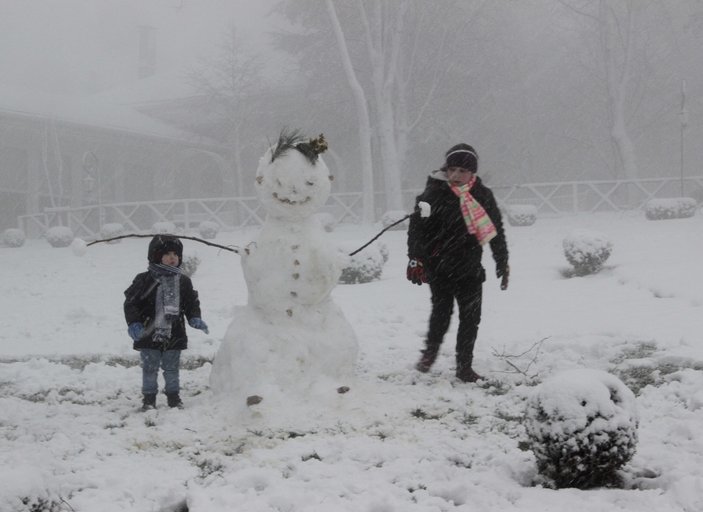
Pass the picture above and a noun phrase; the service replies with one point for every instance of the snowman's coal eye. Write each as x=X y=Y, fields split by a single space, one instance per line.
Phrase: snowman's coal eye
x=309 y=183
x=331 y=177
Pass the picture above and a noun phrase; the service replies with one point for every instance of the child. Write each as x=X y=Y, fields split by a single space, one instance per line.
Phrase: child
x=154 y=307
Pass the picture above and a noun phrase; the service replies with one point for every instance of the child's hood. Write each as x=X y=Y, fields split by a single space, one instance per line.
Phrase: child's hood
x=161 y=244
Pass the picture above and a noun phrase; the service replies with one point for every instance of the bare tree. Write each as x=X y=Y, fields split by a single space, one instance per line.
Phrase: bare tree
x=395 y=56
x=618 y=44
x=408 y=51
x=228 y=83
x=363 y=115
x=622 y=37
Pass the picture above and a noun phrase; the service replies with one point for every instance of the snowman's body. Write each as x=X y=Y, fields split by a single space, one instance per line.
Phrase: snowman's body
x=291 y=338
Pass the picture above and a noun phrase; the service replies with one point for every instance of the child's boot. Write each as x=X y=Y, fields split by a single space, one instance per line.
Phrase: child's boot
x=174 y=400
x=427 y=360
x=149 y=401
x=465 y=373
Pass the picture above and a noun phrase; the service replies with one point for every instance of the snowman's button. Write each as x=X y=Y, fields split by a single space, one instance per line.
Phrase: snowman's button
x=296 y=276
x=296 y=262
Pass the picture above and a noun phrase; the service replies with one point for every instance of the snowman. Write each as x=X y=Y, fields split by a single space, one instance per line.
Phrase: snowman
x=290 y=340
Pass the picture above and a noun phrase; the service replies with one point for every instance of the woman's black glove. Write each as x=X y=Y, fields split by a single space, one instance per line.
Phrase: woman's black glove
x=503 y=274
x=416 y=271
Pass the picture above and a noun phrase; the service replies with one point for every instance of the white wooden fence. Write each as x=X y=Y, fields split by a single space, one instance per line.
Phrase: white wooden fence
x=235 y=212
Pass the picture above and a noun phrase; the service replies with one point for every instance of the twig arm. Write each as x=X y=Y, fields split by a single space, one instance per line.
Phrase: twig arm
x=380 y=233
x=196 y=239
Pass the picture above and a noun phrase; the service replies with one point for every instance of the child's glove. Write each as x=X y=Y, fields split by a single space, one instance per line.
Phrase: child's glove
x=135 y=330
x=416 y=272
x=197 y=323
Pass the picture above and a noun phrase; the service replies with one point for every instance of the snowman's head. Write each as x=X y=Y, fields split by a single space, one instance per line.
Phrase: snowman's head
x=292 y=180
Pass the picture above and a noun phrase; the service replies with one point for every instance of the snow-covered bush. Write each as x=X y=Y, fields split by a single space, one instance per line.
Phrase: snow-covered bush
x=208 y=229
x=13 y=237
x=582 y=428
x=364 y=267
x=670 y=208
x=326 y=220
x=111 y=230
x=59 y=236
x=163 y=228
x=521 y=214
x=190 y=265
x=392 y=216
x=586 y=250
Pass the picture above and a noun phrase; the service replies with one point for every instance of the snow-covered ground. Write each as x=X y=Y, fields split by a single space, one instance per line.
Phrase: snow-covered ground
x=72 y=435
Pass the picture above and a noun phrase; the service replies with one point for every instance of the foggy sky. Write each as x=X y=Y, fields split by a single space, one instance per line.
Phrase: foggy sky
x=532 y=75
x=84 y=46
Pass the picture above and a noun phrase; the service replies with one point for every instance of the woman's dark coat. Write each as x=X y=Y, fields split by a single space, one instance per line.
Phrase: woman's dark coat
x=442 y=241
x=140 y=306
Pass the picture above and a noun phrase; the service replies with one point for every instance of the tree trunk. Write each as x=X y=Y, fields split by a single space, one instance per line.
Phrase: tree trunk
x=617 y=81
x=383 y=42
x=363 y=114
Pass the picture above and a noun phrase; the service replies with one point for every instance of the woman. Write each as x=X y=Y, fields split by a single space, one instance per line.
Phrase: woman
x=445 y=249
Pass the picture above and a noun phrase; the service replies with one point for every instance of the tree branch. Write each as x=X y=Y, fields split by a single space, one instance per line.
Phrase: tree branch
x=507 y=359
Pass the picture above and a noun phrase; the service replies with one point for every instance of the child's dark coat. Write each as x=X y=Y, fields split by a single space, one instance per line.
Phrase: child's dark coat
x=140 y=306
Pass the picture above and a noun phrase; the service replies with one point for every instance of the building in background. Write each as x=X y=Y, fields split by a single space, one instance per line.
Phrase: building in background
x=61 y=151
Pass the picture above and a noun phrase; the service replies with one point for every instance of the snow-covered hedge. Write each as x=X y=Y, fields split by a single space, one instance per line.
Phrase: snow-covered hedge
x=365 y=266
x=586 y=250
x=670 y=208
x=521 y=214
x=190 y=265
x=164 y=228
x=13 y=237
x=208 y=229
x=326 y=220
x=582 y=428
x=110 y=230
x=392 y=216
x=59 y=236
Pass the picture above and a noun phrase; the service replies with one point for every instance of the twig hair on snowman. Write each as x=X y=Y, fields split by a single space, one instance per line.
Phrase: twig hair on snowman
x=311 y=148
x=292 y=180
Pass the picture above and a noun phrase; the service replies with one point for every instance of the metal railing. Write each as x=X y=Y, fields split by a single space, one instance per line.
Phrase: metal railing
x=237 y=212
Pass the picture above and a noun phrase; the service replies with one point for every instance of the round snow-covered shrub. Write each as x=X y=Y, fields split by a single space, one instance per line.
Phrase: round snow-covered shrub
x=59 y=236
x=521 y=214
x=190 y=265
x=326 y=220
x=164 y=228
x=208 y=229
x=111 y=230
x=582 y=428
x=13 y=237
x=670 y=208
x=392 y=216
x=364 y=267
x=586 y=250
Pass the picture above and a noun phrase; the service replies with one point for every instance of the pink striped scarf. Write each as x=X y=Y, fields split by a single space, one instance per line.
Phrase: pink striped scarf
x=477 y=220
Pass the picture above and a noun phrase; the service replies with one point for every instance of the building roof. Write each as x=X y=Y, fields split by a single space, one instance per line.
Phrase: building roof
x=97 y=111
